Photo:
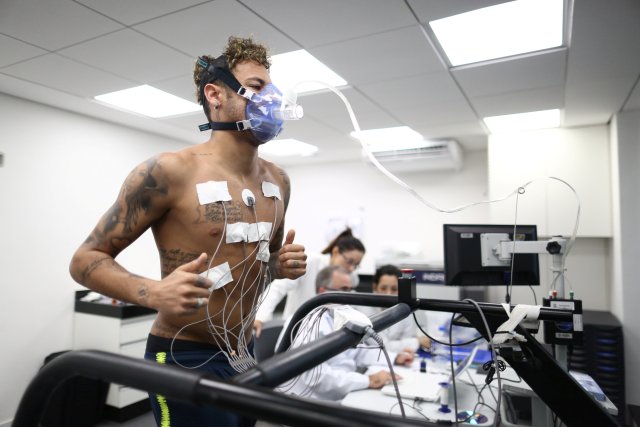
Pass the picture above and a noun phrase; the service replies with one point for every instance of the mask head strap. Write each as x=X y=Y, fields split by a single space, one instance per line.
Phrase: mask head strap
x=240 y=125
x=218 y=69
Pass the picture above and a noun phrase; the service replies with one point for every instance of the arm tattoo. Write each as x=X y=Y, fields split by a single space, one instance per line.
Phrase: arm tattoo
x=86 y=273
x=139 y=196
x=112 y=218
x=143 y=291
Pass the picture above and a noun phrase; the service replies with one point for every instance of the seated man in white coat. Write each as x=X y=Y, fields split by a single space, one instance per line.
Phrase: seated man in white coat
x=336 y=377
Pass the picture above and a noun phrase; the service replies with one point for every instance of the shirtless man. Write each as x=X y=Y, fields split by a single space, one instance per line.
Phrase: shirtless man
x=216 y=211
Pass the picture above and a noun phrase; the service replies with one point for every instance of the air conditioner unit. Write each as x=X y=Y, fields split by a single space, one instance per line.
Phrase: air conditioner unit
x=440 y=155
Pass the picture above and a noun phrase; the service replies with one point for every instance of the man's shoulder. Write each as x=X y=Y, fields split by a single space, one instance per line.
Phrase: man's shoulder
x=274 y=170
x=174 y=164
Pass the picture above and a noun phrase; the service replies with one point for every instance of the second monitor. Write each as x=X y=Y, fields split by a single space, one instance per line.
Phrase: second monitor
x=469 y=259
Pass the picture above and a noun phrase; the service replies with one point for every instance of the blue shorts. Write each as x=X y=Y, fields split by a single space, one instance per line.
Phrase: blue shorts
x=172 y=413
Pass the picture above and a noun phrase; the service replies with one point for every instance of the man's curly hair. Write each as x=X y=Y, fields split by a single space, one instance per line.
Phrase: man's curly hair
x=238 y=50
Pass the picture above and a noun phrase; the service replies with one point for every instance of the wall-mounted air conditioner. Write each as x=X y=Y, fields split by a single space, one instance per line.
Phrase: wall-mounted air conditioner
x=440 y=155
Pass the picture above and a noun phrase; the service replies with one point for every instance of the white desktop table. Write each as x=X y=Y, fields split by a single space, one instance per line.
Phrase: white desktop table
x=375 y=400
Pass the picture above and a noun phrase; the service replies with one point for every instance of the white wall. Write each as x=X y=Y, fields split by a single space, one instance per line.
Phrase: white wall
x=61 y=172
x=390 y=215
x=626 y=246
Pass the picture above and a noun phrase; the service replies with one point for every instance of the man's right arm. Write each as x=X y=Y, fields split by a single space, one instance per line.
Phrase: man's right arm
x=144 y=197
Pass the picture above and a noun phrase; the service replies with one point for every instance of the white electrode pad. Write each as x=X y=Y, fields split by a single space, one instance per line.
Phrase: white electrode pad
x=248 y=198
x=220 y=275
x=270 y=190
x=259 y=231
x=263 y=252
x=237 y=232
x=213 y=191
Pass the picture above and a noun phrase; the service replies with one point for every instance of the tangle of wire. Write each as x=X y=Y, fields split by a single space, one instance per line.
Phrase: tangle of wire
x=240 y=360
x=308 y=329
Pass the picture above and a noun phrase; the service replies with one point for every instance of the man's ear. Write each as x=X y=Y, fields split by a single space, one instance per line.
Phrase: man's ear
x=322 y=289
x=212 y=93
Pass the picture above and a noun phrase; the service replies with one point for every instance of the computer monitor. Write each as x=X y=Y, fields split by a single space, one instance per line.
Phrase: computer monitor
x=468 y=257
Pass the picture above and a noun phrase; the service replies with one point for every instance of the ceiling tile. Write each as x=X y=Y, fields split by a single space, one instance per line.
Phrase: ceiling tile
x=205 y=29
x=451 y=111
x=380 y=57
x=60 y=73
x=12 y=51
x=428 y=89
x=182 y=86
x=328 y=108
x=596 y=100
x=131 y=12
x=537 y=70
x=519 y=102
x=144 y=60
x=52 y=24
x=315 y=23
x=436 y=9
x=310 y=130
x=603 y=65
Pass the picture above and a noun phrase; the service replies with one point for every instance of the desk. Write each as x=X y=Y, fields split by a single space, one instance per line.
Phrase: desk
x=375 y=400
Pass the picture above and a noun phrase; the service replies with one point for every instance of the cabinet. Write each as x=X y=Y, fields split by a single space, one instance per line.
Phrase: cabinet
x=116 y=329
x=579 y=156
x=601 y=355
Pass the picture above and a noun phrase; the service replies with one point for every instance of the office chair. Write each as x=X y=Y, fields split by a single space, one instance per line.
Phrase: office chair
x=264 y=346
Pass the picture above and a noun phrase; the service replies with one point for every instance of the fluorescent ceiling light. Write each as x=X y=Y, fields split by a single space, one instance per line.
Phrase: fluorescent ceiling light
x=506 y=29
x=523 y=121
x=387 y=139
x=148 y=101
x=295 y=70
x=287 y=147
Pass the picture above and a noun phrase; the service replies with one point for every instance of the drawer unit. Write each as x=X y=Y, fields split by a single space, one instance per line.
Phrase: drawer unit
x=116 y=329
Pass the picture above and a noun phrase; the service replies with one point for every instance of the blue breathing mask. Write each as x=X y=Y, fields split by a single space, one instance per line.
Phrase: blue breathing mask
x=265 y=111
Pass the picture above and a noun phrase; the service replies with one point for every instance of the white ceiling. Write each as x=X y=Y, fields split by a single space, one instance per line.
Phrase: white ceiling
x=64 y=52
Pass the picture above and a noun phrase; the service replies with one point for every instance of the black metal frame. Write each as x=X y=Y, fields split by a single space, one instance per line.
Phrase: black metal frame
x=243 y=394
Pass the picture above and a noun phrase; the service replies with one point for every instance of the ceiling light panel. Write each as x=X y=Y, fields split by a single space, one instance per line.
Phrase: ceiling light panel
x=499 y=31
x=300 y=71
x=148 y=101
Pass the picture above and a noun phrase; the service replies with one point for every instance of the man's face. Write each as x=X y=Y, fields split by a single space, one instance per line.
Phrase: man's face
x=254 y=77
x=340 y=282
x=388 y=284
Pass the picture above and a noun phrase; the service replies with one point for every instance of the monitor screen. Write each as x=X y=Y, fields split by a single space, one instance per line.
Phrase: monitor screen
x=469 y=259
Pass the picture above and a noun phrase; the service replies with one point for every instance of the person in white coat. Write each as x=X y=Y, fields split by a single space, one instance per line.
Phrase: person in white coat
x=345 y=251
x=338 y=376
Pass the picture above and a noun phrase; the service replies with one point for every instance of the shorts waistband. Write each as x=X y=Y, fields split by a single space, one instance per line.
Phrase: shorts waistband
x=156 y=344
